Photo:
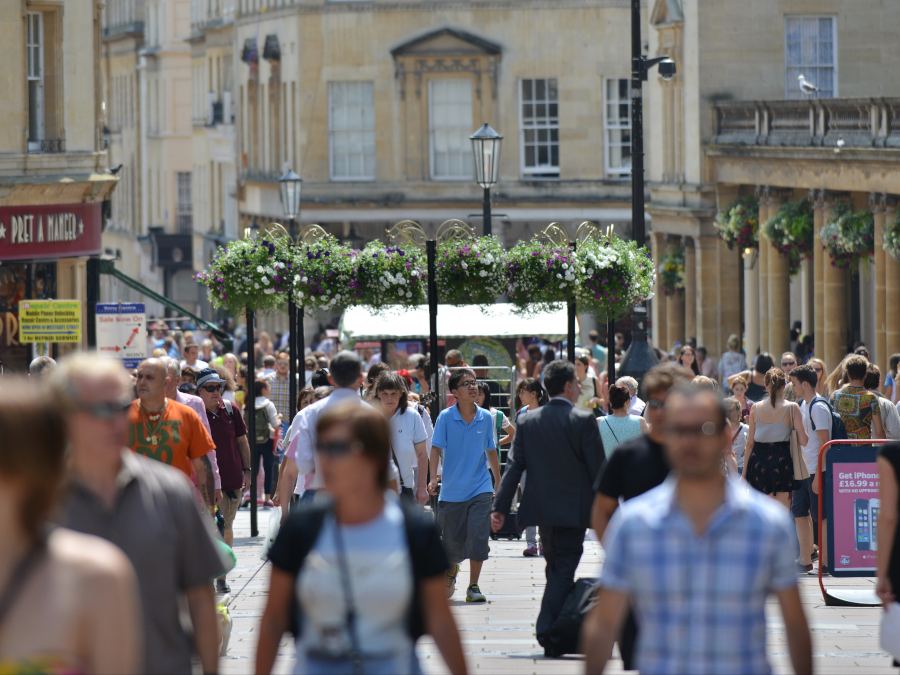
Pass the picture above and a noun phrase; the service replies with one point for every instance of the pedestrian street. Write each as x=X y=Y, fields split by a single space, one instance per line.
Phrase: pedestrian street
x=498 y=637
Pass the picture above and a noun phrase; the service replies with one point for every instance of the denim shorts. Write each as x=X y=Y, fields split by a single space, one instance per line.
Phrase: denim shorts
x=804 y=502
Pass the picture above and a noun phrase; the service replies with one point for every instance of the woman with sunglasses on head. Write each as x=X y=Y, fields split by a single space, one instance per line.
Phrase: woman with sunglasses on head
x=363 y=575
x=69 y=602
x=408 y=436
x=818 y=365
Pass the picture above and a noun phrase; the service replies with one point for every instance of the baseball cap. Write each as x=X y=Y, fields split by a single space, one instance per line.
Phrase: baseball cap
x=207 y=375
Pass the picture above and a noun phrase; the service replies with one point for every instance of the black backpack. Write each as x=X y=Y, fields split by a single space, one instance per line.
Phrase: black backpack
x=838 y=428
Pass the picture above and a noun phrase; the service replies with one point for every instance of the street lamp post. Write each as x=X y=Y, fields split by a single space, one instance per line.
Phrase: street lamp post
x=289 y=185
x=640 y=357
x=486 y=149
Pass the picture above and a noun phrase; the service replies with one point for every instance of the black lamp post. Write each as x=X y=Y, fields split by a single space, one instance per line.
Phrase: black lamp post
x=250 y=401
x=289 y=185
x=486 y=149
x=640 y=357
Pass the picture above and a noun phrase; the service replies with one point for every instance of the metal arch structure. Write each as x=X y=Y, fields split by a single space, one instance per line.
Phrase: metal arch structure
x=410 y=232
x=556 y=234
x=454 y=230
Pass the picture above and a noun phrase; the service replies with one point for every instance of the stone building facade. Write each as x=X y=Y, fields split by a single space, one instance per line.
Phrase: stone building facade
x=734 y=121
x=52 y=160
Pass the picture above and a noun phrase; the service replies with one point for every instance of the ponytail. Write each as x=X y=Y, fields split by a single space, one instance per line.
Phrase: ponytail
x=775 y=381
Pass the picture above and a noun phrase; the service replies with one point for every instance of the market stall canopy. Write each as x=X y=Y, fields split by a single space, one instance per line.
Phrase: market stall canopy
x=496 y=321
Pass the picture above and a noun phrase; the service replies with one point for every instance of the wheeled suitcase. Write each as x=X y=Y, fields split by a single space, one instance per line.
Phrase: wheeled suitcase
x=510 y=529
x=565 y=631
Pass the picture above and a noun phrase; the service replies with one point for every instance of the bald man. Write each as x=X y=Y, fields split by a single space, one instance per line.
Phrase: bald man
x=168 y=431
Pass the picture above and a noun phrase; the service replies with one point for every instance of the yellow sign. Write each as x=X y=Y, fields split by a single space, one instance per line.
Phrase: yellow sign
x=50 y=321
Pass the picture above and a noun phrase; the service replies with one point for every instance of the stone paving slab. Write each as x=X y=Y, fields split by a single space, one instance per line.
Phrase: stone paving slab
x=498 y=637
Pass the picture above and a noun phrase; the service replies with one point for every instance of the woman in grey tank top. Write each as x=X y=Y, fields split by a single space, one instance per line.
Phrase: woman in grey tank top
x=767 y=458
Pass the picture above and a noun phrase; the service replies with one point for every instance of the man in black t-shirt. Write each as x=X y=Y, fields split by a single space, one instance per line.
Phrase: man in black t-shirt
x=635 y=467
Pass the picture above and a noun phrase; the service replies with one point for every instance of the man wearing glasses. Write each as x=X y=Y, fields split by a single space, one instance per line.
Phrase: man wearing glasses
x=229 y=433
x=464 y=435
x=143 y=507
x=635 y=467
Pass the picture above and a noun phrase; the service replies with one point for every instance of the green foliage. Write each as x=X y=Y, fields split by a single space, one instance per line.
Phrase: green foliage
x=738 y=224
x=470 y=271
x=790 y=232
x=849 y=236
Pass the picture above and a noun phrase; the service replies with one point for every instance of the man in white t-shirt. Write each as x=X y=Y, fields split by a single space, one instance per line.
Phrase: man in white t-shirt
x=805 y=501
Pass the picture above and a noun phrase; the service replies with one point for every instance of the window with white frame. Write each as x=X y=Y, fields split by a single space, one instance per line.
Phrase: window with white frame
x=539 y=128
x=810 y=49
x=351 y=126
x=449 y=128
x=617 y=127
x=185 y=207
x=34 y=45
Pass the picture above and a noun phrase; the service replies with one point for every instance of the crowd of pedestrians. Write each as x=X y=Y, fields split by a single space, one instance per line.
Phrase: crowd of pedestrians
x=119 y=519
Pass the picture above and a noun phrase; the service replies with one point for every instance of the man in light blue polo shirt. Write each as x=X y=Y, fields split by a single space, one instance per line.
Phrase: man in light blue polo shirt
x=464 y=435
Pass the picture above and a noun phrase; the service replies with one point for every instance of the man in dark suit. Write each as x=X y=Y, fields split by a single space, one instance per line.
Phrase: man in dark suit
x=560 y=447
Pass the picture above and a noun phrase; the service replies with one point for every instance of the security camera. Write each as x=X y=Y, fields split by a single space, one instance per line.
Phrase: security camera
x=667 y=69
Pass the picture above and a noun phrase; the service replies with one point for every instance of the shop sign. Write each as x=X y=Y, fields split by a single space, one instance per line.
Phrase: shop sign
x=50 y=321
x=49 y=231
x=121 y=332
x=853 y=503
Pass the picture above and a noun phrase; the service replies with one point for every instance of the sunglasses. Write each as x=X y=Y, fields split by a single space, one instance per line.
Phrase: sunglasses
x=337 y=448
x=818 y=370
x=655 y=404
x=788 y=363
x=106 y=410
x=213 y=388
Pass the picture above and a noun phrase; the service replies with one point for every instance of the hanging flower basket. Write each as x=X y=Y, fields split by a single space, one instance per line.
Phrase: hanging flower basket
x=249 y=274
x=671 y=270
x=470 y=271
x=540 y=275
x=790 y=231
x=892 y=237
x=386 y=276
x=321 y=274
x=738 y=224
x=613 y=276
x=849 y=236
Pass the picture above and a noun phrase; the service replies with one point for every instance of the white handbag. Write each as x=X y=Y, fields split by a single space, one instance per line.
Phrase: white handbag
x=889 y=635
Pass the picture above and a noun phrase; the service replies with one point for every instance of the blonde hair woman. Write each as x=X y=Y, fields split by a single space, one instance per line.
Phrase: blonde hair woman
x=818 y=365
x=767 y=455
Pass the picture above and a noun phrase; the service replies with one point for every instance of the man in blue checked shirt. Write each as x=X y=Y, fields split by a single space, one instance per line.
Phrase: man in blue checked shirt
x=697 y=557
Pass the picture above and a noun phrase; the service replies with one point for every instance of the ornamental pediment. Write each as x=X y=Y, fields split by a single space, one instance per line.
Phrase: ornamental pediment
x=447 y=42
x=666 y=12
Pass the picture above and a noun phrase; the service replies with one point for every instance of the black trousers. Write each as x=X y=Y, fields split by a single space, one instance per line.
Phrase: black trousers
x=563 y=547
x=264 y=452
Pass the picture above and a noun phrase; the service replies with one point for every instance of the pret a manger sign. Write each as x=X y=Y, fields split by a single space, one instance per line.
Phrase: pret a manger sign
x=49 y=231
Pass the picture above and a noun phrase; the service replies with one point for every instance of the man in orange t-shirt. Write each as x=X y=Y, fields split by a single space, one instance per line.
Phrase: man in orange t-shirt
x=168 y=431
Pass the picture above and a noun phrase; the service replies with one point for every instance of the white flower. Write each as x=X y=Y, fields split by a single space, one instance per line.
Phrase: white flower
x=408 y=294
x=305 y=279
x=465 y=266
x=259 y=268
x=265 y=281
x=414 y=273
x=565 y=266
x=558 y=275
x=590 y=272
x=483 y=273
x=256 y=286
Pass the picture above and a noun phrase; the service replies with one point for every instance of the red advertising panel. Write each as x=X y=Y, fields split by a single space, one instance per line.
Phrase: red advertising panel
x=38 y=232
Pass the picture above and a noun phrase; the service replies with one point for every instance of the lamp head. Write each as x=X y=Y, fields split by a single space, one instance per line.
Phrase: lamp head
x=486 y=152
x=289 y=186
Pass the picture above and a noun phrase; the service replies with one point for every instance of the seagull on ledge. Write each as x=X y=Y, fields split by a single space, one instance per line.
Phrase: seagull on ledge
x=115 y=172
x=806 y=86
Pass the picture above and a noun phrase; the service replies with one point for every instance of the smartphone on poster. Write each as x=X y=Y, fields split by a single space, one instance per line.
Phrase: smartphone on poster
x=861 y=522
x=874 y=508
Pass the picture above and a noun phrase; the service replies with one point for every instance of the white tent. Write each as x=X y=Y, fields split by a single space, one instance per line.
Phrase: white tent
x=496 y=321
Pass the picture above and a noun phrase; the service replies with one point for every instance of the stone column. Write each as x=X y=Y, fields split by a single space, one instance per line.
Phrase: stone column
x=891 y=294
x=729 y=300
x=877 y=205
x=779 y=281
x=820 y=259
x=764 y=248
x=751 y=305
x=659 y=303
x=837 y=282
x=691 y=275
x=807 y=299
x=675 y=319
x=708 y=299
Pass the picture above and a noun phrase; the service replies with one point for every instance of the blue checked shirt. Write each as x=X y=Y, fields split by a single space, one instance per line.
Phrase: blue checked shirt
x=699 y=599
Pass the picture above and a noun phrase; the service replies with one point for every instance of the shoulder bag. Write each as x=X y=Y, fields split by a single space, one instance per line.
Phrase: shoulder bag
x=801 y=470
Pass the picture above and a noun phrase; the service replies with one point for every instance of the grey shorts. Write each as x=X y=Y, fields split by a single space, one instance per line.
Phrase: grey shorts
x=467 y=528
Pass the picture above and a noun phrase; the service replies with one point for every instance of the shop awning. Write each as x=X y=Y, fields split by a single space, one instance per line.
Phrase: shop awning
x=108 y=267
x=496 y=321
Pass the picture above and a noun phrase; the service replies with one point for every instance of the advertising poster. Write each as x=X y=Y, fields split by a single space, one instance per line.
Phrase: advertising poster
x=121 y=331
x=853 y=505
x=50 y=321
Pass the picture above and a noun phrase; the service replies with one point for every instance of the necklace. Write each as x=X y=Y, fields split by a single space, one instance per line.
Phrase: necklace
x=152 y=438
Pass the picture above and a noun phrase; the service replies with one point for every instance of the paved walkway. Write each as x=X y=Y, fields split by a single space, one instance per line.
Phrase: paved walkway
x=498 y=637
